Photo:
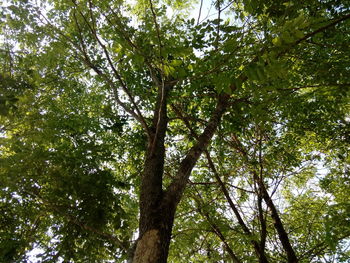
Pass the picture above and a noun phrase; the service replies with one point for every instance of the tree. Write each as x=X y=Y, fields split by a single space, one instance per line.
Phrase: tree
x=107 y=102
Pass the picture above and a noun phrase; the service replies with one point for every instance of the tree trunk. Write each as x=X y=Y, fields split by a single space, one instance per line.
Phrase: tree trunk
x=155 y=222
x=153 y=244
x=156 y=217
x=158 y=207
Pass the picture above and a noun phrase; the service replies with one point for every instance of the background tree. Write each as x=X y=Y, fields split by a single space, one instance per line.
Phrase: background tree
x=109 y=107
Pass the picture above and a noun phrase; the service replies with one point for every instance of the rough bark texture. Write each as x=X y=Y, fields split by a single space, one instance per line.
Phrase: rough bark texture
x=154 y=236
x=147 y=249
x=158 y=207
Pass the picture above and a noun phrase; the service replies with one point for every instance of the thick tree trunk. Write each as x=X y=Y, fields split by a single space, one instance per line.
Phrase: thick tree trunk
x=155 y=222
x=156 y=217
x=153 y=244
x=158 y=207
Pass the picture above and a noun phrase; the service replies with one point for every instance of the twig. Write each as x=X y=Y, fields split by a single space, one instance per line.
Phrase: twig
x=200 y=11
x=116 y=73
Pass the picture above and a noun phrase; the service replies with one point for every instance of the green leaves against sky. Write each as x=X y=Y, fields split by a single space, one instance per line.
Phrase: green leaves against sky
x=78 y=86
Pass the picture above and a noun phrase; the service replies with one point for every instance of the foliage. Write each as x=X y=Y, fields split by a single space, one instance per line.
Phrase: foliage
x=80 y=84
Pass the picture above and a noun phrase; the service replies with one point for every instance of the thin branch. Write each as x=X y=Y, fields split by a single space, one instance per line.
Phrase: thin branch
x=224 y=190
x=110 y=83
x=198 y=198
x=200 y=12
x=157 y=29
x=258 y=250
x=277 y=222
x=218 y=27
x=317 y=249
x=86 y=60
x=262 y=219
x=345 y=85
x=162 y=87
x=333 y=23
x=116 y=73
x=203 y=183
x=121 y=30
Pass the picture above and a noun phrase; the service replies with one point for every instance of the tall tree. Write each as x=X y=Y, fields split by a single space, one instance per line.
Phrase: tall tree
x=104 y=102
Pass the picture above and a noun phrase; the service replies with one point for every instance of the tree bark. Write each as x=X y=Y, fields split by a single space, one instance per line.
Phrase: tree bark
x=154 y=236
x=158 y=207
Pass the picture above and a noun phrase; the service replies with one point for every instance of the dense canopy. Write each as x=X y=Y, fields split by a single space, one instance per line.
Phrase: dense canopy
x=175 y=131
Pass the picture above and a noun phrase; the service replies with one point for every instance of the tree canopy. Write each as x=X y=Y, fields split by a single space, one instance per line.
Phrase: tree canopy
x=174 y=131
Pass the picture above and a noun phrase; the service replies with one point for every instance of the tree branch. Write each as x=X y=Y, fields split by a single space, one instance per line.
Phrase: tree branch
x=86 y=60
x=157 y=30
x=111 y=64
x=215 y=228
x=200 y=12
x=175 y=190
x=259 y=251
x=333 y=23
x=277 y=222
